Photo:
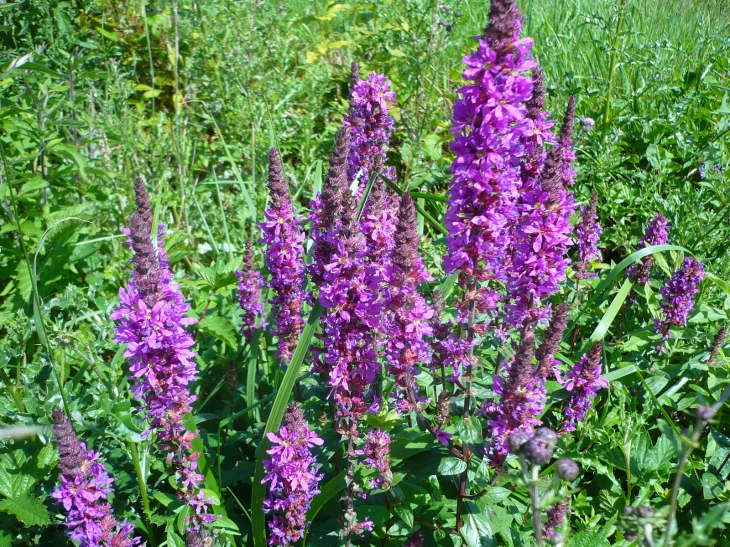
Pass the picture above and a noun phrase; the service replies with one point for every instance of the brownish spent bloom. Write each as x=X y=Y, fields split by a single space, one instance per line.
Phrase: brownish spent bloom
x=443 y=409
x=278 y=188
x=552 y=173
x=504 y=18
x=536 y=104
x=521 y=372
x=354 y=75
x=566 y=129
x=551 y=342
x=68 y=444
x=405 y=252
x=232 y=377
x=146 y=261
x=335 y=181
x=717 y=343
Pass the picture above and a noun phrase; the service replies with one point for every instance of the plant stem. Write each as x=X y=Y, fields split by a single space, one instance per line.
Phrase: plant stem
x=612 y=64
x=535 y=499
x=141 y=482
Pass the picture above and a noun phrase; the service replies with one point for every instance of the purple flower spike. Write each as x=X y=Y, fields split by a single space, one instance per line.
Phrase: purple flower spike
x=678 y=295
x=370 y=126
x=583 y=381
x=378 y=224
x=249 y=294
x=541 y=238
x=151 y=320
x=657 y=233
x=376 y=450
x=550 y=345
x=489 y=126
x=555 y=516
x=588 y=234
x=284 y=260
x=84 y=491
x=522 y=400
x=291 y=472
x=408 y=319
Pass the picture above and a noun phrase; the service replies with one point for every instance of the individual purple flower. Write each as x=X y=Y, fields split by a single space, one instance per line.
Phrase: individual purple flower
x=701 y=170
x=587 y=124
x=376 y=450
x=583 y=382
x=249 y=294
x=540 y=239
x=521 y=400
x=657 y=233
x=555 y=516
x=283 y=237
x=84 y=490
x=151 y=320
x=588 y=234
x=407 y=323
x=678 y=295
x=291 y=472
x=489 y=126
x=370 y=125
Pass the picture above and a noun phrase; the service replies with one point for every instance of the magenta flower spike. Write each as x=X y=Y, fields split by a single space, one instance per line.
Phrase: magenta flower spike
x=489 y=126
x=249 y=294
x=657 y=233
x=583 y=382
x=678 y=295
x=284 y=238
x=588 y=234
x=291 y=472
x=84 y=492
x=151 y=320
x=376 y=451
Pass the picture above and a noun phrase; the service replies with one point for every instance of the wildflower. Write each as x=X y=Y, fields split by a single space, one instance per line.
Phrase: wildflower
x=488 y=125
x=588 y=234
x=678 y=295
x=414 y=540
x=376 y=450
x=657 y=233
x=520 y=403
x=283 y=237
x=249 y=294
x=370 y=126
x=408 y=322
x=545 y=353
x=151 y=320
x=291 y=474
x=541 y=237
x=567 y=469
x=378 y=224
x=717 y=343
x=583 y=382
x=84 y=492
x=701 y=170
x=540 y=447
x=586 y=124
x=555 y=517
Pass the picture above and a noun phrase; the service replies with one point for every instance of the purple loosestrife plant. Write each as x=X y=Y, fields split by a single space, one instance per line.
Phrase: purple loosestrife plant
x=283 y=237
x=151 y=320
x=583 y=382
x=678 y=295
x=489 y=126
x=409 y=316
x=522 y=400
x=588 y=234
x=249 y=294
x=376 y=450
x=291 y=472
x=657 y=233
x=555 y=516
x=370 y=126
x=538 y=260
x=84 y=492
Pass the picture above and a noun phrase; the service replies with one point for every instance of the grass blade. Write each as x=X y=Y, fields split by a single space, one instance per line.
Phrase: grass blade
x=603 y=325
x=258 y=492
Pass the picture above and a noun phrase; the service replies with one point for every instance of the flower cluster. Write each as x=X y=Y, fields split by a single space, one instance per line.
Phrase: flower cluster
x=376 y=450
x=657 y=233
x=283 y=237
x=292 y=476
x=583 y=382
x=678 y=295
x=370 y=125
x=408 y=319
x=555 y=516
x=249 y=293
x=489 y=124
x=588 y=234
x=84 y=492
x=151 y=320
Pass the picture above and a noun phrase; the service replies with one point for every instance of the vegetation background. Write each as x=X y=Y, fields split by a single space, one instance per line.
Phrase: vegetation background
x=191 y=95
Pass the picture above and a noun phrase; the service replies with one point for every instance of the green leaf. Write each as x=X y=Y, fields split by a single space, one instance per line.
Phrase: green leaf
x=220 y=328
x=724 y=285
x=333 y=487
x=258 y=493
x=28 y=509
x=589 y=538
x=602 y=328
x=405 y=514
x=452 y=466
x=477 y=530
x=226 y=524
x=204 y=466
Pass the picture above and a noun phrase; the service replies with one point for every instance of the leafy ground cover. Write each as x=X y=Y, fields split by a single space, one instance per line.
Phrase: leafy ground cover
x=191 y=97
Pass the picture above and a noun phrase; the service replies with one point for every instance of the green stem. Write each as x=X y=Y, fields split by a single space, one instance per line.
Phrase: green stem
x=11 y=388
x=142 y=483
x=613 y=63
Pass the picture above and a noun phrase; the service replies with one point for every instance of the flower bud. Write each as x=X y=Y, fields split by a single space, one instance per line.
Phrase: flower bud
x=567 y=469
x=516 y=441
x=547 y=435
x=705 y=413
x=538 y=450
